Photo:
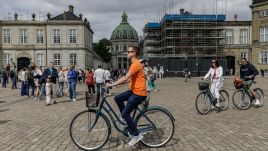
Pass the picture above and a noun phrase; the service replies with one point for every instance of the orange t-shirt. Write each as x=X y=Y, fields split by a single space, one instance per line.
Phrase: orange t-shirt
x=137 y=80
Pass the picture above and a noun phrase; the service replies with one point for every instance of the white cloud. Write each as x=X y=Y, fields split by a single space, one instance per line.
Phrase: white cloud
x=105 y=15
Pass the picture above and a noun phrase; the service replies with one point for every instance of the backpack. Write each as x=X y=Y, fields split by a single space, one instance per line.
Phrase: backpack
x=30 y=77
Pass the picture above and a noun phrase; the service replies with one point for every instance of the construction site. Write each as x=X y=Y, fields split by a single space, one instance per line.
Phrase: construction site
x=185 y=40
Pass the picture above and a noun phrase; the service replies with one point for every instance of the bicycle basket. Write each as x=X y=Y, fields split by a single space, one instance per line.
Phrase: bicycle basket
x=90 y=100
x=203 y=85
x=238 y=83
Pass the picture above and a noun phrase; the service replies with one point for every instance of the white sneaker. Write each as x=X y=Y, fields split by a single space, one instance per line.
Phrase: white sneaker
x=135 y=139
x=257 y=102
x=74 y=100
x=218 y=105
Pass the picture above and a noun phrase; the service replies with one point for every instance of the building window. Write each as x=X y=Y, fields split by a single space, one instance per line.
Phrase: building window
x=243 y=36
x=72 y=36
x=40 y=36
x=23 y=36
x=7 y=58
x=57 y=59
x=40 y=59
x=263 y=34
x=56 y=36
x=6 y=36
x=73 y=58
x=263 y=57
x=264 y=13
x=229 y=36
x=244 y=55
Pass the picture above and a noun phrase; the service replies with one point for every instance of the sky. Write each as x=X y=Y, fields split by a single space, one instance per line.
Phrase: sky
x=105 y=15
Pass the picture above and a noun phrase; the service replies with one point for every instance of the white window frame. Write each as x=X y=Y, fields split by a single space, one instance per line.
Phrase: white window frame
x=229 y=33
x=244 y=54
x=56 y=36
x=264 y=34
x=73 y=58
x=40 y=58
x=39 y=36
x=57 y=59
x=263 y=57
x=6 y=58
x=6 y=36
x=243 y=36
x=72 y=36
x=23 y=36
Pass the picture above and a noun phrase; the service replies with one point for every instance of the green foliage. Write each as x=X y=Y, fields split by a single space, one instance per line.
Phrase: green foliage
x=102 y=49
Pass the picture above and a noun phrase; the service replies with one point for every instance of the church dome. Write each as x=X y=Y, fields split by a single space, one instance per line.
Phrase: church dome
x=124 y=31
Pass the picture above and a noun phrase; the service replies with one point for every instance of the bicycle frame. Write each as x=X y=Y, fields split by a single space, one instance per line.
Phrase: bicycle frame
x=246 y=91
x=209 y=94
x=114 y=117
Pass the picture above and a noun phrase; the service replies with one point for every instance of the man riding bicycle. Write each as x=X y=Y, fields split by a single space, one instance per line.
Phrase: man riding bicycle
x=248 y=73
x=134 y=96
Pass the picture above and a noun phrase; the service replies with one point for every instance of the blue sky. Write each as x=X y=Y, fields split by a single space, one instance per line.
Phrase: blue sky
x=105 y=15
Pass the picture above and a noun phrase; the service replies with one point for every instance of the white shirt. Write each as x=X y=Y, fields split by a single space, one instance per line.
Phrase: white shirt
x=99 y=76
x=219 y=73
x=107 y=74
x=23 y=76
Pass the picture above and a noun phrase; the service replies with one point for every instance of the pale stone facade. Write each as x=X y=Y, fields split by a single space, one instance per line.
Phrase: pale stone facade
x=259 y=46
x=72 y=45
x=238 y=45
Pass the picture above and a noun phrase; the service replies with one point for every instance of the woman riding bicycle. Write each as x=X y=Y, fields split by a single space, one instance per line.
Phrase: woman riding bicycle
x=216 y=74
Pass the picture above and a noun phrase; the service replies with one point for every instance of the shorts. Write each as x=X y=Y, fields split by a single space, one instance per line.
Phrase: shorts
x=249 y=84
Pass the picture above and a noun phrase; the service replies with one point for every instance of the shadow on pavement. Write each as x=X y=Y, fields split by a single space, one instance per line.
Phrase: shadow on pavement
x=3 y=110
x=3 y=101
x=5 y=121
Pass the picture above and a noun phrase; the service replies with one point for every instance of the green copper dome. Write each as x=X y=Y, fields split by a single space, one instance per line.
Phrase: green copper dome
x=124 y=30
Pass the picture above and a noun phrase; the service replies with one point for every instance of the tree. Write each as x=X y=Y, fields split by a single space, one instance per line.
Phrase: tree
x=102 y=50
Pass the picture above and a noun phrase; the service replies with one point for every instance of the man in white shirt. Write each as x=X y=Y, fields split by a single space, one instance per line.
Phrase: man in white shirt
x=99 y=77
x=107 y=75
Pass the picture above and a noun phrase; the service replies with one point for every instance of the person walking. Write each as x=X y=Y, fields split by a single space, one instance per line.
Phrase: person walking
x=51 y=76
x=42 y=83
x=148 y=71
x=262 y=73
x=107 y=75
x=37 y=76
x=90 y=81
x=65 y=72
x=24 y=83
x=216 y=74
x=5 y=77
x=72 y=79
x=13 y=75
x=61 y=81
x=30 y=79
x=99 y=77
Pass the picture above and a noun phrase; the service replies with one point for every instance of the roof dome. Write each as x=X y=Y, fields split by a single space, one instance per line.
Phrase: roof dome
x=124 y=30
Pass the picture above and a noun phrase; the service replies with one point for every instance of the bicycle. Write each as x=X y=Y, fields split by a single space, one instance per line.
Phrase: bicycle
x=243 y=99
x=205 y=99
x=90 y=129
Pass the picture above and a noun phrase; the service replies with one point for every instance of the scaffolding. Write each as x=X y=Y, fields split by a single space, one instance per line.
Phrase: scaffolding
x=187 y=40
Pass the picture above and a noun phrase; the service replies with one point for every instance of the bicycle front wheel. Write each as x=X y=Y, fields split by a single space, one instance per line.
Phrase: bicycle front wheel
x=202 y=103
x=156 y=125
x=241 y=100
x=89 y=132
x=224 y=100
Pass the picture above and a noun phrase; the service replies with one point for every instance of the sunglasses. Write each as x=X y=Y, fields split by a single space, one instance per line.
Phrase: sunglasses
x=130 y=52
x=212 y=62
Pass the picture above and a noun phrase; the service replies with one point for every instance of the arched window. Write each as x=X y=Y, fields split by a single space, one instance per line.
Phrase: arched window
x=125 y=48
x=124 y=34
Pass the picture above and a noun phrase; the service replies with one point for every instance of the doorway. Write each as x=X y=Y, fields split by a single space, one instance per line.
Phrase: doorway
x=231 y=63
x=23 y=62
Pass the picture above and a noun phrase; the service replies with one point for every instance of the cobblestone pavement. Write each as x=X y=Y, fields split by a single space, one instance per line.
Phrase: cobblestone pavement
x=26 y=124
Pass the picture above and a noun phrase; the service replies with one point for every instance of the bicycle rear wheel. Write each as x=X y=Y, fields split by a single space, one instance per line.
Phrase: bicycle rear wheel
x=224 y=100
x=202 y=103
x=241 y=100
x=156 y=125
x=89 y=133
x=260 y=94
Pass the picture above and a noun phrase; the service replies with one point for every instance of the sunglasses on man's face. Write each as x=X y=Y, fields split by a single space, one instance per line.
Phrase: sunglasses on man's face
x=130 y=52
x=212 y=62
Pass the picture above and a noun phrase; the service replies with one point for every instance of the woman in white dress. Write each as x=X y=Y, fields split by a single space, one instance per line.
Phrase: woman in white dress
x=216 y=74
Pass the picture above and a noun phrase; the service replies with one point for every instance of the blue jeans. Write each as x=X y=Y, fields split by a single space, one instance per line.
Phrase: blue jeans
x=14 y=83
x=32 y=86
x=100 y=92
x=72 y=90
x=133 y=101
x=4 y=83
x=43 y=89
x=24 y=88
